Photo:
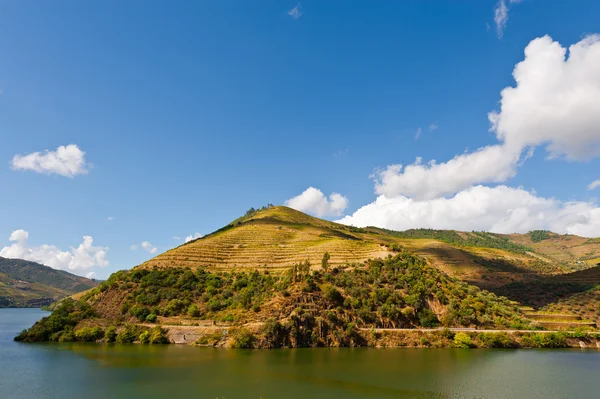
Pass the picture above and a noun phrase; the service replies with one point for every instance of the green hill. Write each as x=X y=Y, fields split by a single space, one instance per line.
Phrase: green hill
x=29 y=284
x=278 y=277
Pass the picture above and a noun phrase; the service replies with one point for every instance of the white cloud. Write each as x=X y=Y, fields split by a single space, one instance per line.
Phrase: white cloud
x=66 y=161
x=146 y=246
x=176 y=238
x=418 y=134
x=556 y=100
x=501 y=16
x=594 y=185
x=91 y=275
x=192 y=237
x=19 y=236
x=110 y=218
x=498 y=209
x=555 y=103
x=77 y=260
x=495 y=163
x=313 y=201
x=296 y=12
x=433 y=126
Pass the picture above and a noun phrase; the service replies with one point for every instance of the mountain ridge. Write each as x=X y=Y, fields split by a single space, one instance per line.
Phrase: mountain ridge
x=30 y=284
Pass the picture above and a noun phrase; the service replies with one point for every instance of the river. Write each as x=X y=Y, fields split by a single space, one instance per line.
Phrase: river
x=143 y=371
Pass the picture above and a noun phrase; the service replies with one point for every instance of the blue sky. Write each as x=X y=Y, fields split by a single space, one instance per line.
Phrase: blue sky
x=190 y=115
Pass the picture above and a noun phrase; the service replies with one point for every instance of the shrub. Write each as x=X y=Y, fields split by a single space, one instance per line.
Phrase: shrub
x=126 y=336
x=151 y=318
x=243 y=339
x=193 y=310
x=141 y=312
x=427 y=318
x=325 y=261
x=158 y=336
x=145 y=337
x=463 y=340
x=89 y=334
x=111 y=334
x=497 y=340
x=333 y=295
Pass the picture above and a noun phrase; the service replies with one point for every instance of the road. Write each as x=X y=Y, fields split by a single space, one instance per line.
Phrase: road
x=467 y=330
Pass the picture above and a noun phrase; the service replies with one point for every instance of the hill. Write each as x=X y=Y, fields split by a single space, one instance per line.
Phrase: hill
x=29 y=284
x=278 y=277
x=273 y=238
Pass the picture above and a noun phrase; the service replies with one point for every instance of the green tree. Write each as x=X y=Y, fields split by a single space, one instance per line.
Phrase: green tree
x=325 y=261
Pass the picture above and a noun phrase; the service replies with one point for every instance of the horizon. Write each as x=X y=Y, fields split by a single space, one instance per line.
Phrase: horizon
x=131 y=129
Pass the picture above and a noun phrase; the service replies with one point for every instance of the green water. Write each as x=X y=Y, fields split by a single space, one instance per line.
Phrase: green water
x=136 y=371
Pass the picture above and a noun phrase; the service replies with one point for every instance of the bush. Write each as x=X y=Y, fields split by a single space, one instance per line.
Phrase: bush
x=141 y=312
x=89 y=334
x=145 y=337
x=111 y=334
x=151 y=318
x=428 y=319
x=463 y=340
x=497 y=340
x=126 y=336
x=193 y=310
x=243 y=339
x=158 y=336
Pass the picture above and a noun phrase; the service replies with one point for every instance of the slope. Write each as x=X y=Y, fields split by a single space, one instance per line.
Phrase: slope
x=274 y=238
x=29 y=284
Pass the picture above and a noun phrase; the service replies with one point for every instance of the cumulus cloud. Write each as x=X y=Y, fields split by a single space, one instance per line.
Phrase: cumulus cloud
x=66 y=161
x=296 y=12
x=313 y=201
x=77 y=260
x=498 y=209
x=192 y=237
x=146 y=246
x=554 y=104
x=495 y=163
x=555 y=101
x=594 y=185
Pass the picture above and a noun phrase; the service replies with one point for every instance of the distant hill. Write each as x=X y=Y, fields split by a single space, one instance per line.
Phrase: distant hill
x=30 y=284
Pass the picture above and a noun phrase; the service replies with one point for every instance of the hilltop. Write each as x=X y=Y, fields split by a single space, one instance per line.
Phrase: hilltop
x=30 y=284
x=278 y=277
x=274 y=238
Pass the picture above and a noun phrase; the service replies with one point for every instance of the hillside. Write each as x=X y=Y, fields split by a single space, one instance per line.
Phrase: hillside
x=29 y=284
x=278 y=277
x=274 y=238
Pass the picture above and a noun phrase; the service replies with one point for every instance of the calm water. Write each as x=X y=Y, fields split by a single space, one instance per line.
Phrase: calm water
x=136 y=371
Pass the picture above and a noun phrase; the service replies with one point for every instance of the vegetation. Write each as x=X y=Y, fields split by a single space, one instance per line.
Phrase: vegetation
x=539 y=235
x=367 y=287
x=61 y=322
x=29 y=284
x=473 y=239
x=300 y=307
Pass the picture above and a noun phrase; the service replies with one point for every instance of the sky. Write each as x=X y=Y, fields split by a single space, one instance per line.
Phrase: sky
x=127 y=128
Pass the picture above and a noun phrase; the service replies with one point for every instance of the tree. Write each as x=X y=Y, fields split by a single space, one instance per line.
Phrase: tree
x=325 y=261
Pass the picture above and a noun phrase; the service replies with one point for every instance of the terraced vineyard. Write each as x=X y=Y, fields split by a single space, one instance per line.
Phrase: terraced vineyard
x=274 y=238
